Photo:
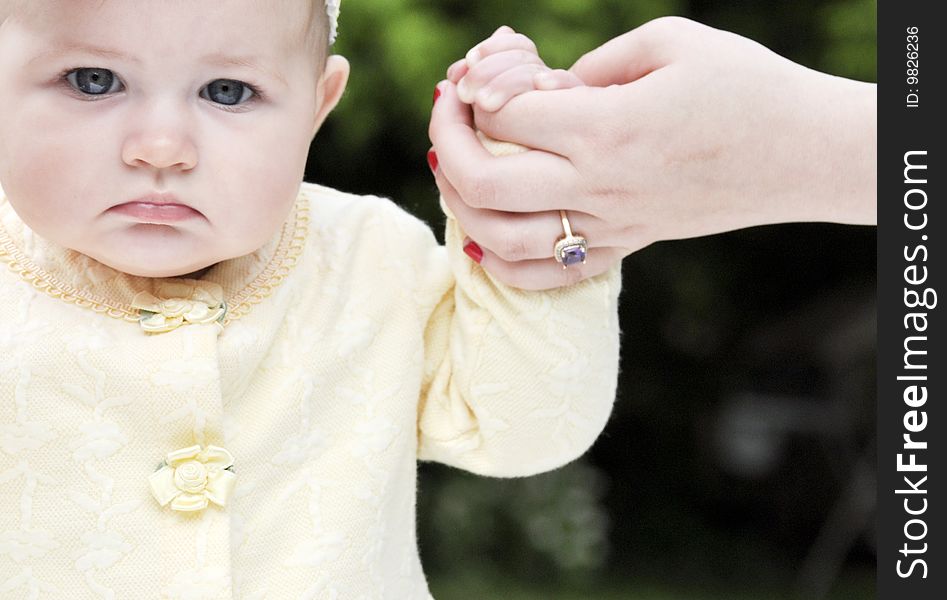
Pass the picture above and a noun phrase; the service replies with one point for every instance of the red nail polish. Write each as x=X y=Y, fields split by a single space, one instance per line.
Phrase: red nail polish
x=432 y=160
x=437 y=94
x=473 y=251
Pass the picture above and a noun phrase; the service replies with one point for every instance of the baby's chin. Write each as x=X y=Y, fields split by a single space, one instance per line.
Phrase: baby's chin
x=165 y=273
x=153 y=269
x=189 y=272
x=147 y=256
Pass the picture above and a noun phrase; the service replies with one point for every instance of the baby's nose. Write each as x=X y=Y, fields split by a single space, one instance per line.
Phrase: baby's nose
x=162 y=146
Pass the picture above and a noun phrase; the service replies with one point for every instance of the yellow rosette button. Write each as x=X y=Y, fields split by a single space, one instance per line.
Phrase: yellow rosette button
x=185 y=302
x=192 y=477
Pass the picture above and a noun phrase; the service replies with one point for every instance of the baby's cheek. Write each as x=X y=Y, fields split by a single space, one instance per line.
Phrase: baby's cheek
x=266 y=177
x=48 y=147
x=53 y=188
x=40 y=175
x=252 y=203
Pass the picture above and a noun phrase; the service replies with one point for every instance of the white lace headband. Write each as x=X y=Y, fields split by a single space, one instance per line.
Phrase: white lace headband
x=332 y=9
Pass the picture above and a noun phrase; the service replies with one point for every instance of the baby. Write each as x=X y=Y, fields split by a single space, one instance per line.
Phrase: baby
x=216 y=380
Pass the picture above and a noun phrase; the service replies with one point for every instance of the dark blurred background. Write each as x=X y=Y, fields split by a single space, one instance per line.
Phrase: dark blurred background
x=739 y=460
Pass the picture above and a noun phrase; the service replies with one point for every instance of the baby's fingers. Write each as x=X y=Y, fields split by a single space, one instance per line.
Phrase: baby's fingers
x=558 y=79
x=519 y=80
x=502 y=40
x=491 y=67
x=513 y=82
x=457 y=70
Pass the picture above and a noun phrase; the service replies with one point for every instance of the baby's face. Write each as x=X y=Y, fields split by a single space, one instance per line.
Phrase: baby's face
x=211 y=105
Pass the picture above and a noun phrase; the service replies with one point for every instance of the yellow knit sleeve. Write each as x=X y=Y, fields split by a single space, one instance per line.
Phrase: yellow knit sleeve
x=517 y=382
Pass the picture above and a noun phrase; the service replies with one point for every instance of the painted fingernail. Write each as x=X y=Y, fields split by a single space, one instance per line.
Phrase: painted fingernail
x=432 y=160
x=437 y=93
x=472 y=250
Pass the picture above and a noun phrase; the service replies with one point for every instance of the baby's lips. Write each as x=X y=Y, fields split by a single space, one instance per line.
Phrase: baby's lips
x=156 y=198
x=158 y=206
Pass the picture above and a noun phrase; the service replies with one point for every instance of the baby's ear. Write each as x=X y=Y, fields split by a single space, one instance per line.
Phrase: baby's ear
x=330 y=88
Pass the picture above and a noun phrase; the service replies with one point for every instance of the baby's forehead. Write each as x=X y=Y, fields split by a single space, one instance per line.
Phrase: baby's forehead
x=280 y=28
x=299 y=16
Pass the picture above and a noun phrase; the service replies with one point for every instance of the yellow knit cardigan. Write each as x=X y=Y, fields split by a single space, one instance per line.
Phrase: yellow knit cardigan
x=353 y=345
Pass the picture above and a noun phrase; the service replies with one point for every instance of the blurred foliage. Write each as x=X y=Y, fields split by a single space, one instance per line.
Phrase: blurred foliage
x=858 y=585
x=850 y=28
x=703 y=320
x=553 y=526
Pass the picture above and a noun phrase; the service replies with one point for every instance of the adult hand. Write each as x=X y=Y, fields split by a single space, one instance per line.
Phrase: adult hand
x=688 y=131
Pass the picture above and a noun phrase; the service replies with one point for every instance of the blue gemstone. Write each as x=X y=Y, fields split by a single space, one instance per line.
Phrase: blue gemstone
x=572 y=255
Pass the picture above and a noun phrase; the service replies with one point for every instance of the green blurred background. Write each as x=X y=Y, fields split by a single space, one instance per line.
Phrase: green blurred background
x=739 y=460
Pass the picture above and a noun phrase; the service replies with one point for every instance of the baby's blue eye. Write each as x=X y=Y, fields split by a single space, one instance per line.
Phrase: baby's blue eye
x=94 y=82
x=98 y=82
x=228 y=92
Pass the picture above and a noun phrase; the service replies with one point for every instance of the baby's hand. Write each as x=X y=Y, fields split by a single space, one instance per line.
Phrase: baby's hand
x=503 y=66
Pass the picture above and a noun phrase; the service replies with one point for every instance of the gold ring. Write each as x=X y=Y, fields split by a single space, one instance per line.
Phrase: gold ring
x=570 y=249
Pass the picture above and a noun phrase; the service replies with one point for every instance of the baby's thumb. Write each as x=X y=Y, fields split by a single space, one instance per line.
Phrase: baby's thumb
x=630 y=56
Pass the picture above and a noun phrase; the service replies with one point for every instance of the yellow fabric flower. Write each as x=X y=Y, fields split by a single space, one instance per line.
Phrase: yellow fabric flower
x=191 y=477
x=180 y=302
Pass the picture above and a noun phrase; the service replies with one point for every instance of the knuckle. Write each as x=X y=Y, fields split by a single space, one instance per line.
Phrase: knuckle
x=513 y=245
x=609 y=199
x=475 y=76
x=479 y=191
x=561 y=75
x=612 y=137
x=533 y=68
x=526 y=43
x=670 y=25
x=526 y=57
x=627 y=237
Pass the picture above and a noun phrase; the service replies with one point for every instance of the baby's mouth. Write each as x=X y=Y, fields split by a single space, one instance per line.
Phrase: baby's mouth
x=156 y=208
